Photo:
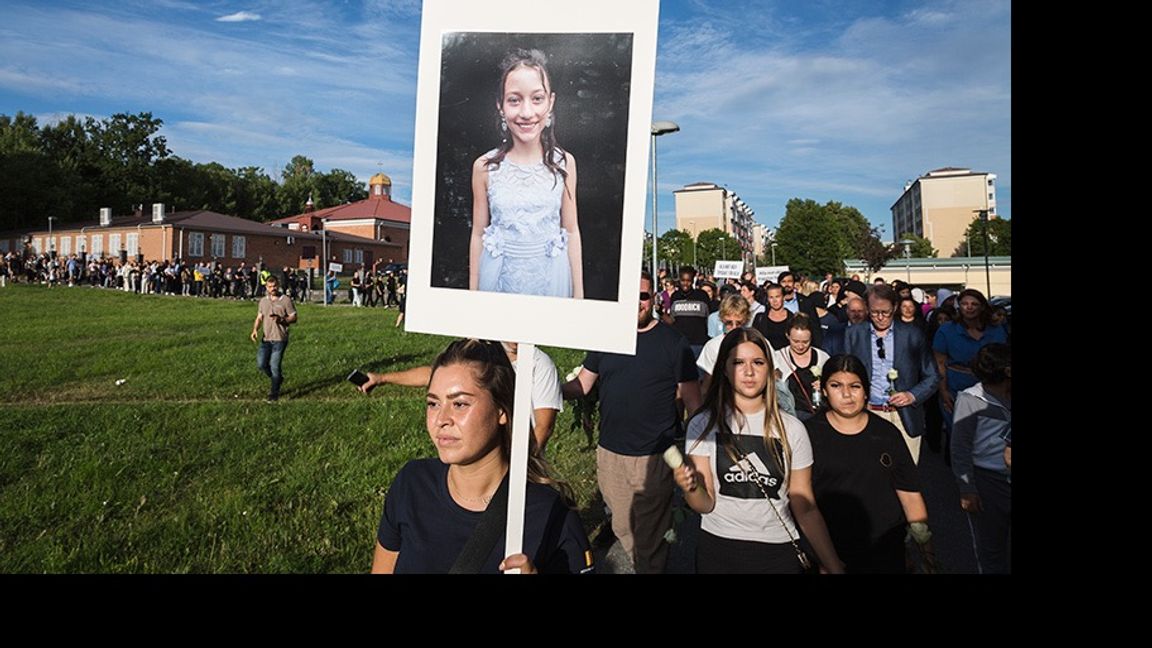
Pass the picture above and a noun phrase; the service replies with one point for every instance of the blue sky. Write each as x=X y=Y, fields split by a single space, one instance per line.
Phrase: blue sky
x=823 y=99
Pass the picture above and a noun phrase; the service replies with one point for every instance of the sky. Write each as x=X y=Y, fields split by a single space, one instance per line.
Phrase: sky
x=842 y=100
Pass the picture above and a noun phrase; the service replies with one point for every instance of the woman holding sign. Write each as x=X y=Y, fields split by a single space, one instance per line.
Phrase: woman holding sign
x=437 y=517
x=525 y=235
x=750 y=474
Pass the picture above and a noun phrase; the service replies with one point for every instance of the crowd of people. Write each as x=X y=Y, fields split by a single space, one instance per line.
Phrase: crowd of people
x=800 y=406
x=375 y=286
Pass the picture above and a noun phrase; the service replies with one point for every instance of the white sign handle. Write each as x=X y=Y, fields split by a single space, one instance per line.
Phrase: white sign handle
x=518 y=471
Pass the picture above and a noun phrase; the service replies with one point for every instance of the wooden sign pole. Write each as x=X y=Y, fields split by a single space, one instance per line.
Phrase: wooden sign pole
x=518 y=470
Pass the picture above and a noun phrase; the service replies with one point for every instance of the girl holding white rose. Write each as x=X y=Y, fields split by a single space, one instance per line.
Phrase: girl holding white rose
x=799 y=364
x=863 y=477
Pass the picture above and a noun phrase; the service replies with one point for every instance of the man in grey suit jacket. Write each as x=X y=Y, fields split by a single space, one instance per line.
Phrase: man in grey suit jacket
x=885 y=345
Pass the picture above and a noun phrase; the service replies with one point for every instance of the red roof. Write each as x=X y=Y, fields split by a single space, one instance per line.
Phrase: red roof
x=379 y=207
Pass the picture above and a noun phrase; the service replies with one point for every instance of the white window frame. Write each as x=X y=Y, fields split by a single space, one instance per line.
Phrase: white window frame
x=358 y=255
x=133 y=245
x=65 y=245
x=97 y=245
x=114 y=244
x=218 y=246
x=347 y=256
x=196 y=244
x=80 y=244
x=239 y=246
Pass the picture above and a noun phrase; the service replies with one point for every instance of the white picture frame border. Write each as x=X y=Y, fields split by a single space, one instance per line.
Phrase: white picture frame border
x=571 y=323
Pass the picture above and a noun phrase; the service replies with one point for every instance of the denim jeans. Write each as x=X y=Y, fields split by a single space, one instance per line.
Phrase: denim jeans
x=268 y=358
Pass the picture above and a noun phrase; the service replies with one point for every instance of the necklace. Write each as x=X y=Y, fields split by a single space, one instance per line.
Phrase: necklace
x=483 y=499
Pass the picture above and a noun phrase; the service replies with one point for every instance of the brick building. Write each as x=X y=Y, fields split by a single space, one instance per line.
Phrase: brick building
x=195 y=236
x=376 y=218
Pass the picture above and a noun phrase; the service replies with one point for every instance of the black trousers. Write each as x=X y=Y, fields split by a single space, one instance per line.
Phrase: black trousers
x=994 y=523
x=716 y=555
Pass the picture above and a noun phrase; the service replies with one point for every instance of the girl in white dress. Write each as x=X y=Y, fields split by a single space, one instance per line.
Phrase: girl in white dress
x=525 y=235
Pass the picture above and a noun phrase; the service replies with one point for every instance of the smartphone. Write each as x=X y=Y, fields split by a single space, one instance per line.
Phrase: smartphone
x=357 y=377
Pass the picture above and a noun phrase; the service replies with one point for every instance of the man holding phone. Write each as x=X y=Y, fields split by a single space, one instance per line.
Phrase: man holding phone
x=275 y=312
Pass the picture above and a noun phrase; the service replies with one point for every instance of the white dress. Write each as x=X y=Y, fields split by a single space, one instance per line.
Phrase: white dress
x=525 y=248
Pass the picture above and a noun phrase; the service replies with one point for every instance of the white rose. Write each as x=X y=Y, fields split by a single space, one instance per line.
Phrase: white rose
x=572 y=374
x=815 y=372
x=893 y=374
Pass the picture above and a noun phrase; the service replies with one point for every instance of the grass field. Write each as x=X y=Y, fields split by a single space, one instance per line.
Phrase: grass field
x=183 y=467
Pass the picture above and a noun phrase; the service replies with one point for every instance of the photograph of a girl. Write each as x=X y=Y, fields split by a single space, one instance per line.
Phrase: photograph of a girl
x=525 y=238
x=516 y=113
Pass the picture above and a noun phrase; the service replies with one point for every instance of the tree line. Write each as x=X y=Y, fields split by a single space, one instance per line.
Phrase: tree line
x=72 y=168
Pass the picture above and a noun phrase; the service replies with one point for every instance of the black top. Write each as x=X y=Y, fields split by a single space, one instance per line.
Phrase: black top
x=800 y=383
x=429 y=529
x=855 y=479
x=776 y=332
x=691 y=311
x=638 y=393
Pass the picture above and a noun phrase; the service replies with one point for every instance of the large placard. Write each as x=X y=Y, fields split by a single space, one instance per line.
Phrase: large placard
x=507 y=246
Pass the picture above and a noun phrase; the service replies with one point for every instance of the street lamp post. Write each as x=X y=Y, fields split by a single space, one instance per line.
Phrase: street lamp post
x=773 y=252
x=658 y=128
x=987 y=271
x=694 y=262
x=51 y=242
x=907 y=243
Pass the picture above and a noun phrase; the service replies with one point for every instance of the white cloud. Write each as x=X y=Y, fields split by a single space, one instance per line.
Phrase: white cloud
x=848 y=118
x=239 y=16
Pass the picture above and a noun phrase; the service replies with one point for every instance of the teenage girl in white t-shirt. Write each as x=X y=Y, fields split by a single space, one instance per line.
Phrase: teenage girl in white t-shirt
x=749 y=472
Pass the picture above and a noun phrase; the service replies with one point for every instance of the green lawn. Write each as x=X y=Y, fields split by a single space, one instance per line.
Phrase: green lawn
x=183 y=467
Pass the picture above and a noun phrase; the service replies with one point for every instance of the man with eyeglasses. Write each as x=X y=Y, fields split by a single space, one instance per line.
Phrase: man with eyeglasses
x=886 y=346
x=639 y=420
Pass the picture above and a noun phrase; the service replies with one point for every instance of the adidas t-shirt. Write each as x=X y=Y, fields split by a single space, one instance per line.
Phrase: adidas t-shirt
x=742 y=512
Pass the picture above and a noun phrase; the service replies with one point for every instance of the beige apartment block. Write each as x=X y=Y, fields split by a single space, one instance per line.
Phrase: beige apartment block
x=705 y=205
x=941 y=204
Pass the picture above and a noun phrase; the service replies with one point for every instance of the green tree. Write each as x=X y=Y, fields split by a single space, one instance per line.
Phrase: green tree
x=19 y=134
x=999 y=238
x=811 y=239
x=714 y=245
x=338 y=187
x=920 y=248
x=129 y=146
x=254 y=194
x=674 y=249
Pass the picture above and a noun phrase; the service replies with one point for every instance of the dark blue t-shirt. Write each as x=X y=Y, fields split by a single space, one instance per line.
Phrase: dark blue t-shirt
x=428 y=528
x=638 y=414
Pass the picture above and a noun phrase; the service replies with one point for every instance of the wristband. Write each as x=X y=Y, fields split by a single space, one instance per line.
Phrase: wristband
x=919 y=532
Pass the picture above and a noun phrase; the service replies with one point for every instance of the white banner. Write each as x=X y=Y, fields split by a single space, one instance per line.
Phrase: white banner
x=769 y=273
x=728 y=269
x=336 y=267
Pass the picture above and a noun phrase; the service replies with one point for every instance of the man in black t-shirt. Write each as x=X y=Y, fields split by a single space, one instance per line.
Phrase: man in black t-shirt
x=689 y=312
x=638 y=421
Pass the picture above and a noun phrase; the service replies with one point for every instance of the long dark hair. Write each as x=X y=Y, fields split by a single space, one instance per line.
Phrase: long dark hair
x=720 y=401
x=494 y=373
x=536 y=60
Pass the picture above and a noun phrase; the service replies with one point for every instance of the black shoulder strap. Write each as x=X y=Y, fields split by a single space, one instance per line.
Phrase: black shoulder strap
x=484 y=536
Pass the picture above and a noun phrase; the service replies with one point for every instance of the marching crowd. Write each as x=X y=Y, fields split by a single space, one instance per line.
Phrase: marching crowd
x=801 y=407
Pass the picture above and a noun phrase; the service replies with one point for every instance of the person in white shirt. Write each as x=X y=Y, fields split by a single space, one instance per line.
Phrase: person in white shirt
x=750 y=471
